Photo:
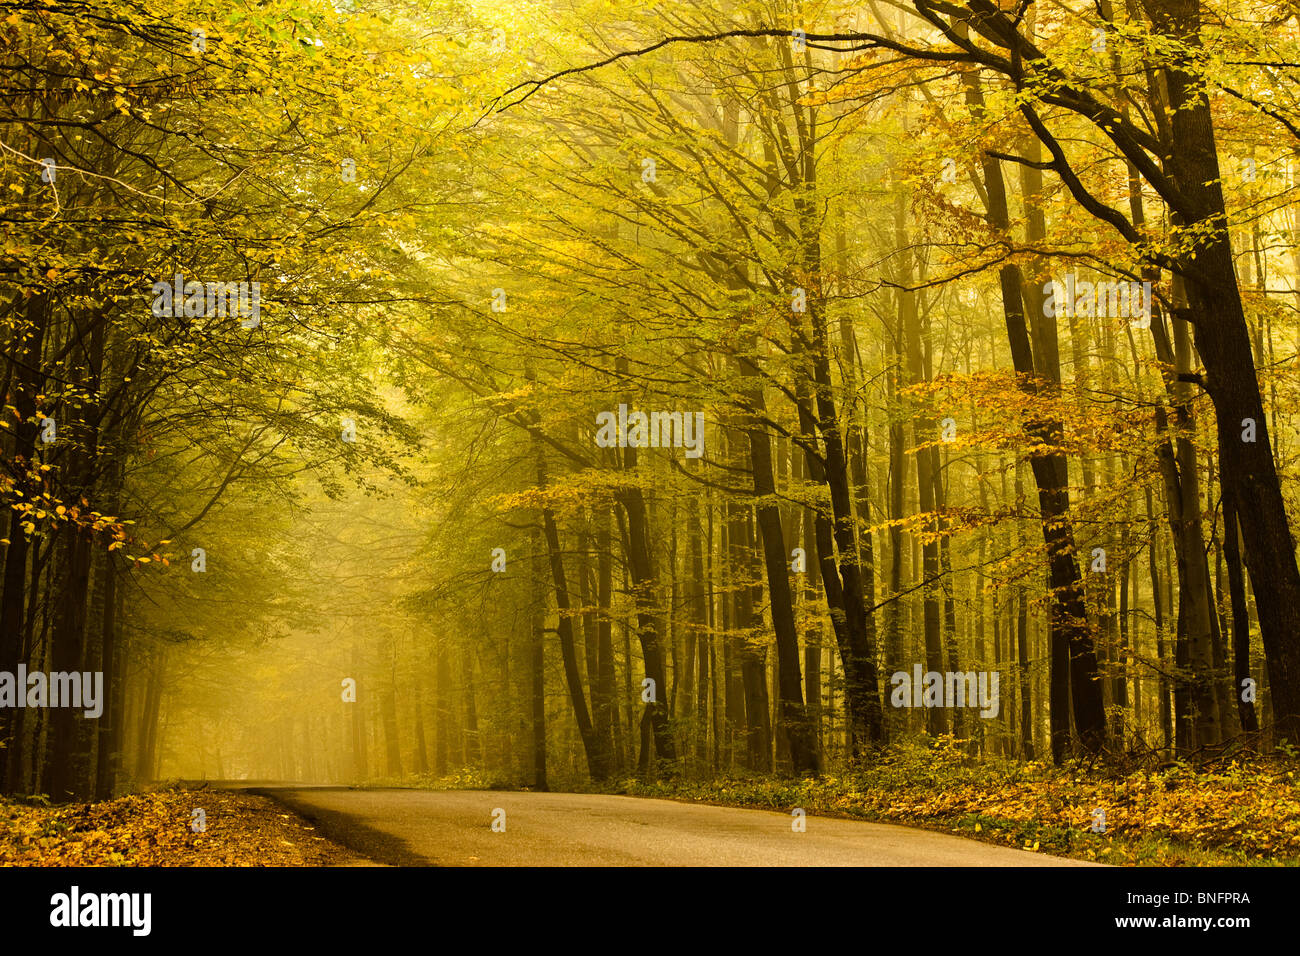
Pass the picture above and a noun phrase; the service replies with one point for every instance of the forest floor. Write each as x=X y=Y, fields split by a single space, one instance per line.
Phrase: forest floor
x=1243 y=812
x=156 y=829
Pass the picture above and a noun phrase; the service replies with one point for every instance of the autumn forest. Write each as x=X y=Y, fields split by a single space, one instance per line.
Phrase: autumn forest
x=756 y=402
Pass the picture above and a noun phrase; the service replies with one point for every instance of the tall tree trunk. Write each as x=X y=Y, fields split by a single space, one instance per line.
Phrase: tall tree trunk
x=446 y=731
x=67 y=769
x=537 y=662
x=26 y=385
x=745 y=586
x=473 y=750
x=1240 y=615
x=803 y=751
x=1074 y=672
x=923 y=433
x=360 y=772
x=1223 y=342
x=597 y=759
x=421 y=738
x=107 y=757
x=605 y=713
x=392 y=742
x=698 y=636
x=147 y=749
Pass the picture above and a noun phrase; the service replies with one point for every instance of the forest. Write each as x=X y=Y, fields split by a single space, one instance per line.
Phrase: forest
x=552 y=393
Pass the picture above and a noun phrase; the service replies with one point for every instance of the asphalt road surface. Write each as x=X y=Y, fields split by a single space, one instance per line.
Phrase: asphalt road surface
x=455 y=828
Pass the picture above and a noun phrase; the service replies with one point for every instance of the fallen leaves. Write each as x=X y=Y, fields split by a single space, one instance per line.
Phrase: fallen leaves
x=1244 y=812
x=153 y=829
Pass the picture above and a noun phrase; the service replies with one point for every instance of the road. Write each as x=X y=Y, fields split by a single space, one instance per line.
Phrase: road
x=455 y=828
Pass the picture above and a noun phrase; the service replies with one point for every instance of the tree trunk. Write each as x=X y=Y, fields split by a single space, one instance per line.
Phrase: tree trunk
x=1223 y=342
x=793 y=714
x=537 y=662
x=1074 y=672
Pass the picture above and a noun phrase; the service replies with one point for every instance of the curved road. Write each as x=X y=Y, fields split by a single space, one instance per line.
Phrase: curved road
x=454 y=828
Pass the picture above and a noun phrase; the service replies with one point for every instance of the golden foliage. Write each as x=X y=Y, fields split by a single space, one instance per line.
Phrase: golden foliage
x=154 y=829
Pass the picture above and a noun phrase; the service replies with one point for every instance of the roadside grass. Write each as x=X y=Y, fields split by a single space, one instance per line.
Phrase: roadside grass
x=1242 y=812
x=1246 y=813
